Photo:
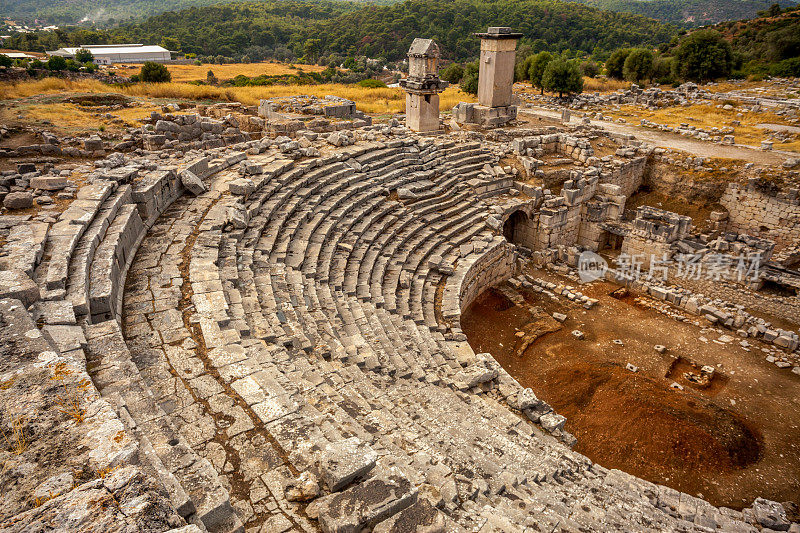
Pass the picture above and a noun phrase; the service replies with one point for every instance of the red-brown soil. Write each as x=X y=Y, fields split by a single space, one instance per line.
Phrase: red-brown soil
x=730 y=442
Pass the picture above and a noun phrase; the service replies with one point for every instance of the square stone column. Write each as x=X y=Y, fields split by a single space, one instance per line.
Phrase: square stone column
x=496 y=71
x=422 y=112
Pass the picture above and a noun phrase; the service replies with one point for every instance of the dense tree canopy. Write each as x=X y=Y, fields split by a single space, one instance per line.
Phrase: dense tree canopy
x=638 y=65
x=320 y=29
x=704 y=55
x=563 y=76
x=689 y=12
x=616 y=63
x=766 y=45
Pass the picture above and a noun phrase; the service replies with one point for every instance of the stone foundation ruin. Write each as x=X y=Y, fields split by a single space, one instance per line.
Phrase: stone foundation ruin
x=255 y=320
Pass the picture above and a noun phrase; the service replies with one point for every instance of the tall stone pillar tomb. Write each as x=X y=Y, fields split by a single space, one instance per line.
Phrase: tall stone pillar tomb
x=423 y=86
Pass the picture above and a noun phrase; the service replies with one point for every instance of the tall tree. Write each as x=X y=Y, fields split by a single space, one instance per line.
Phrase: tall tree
x=538 y=67
x=638 y=65
x=704 y=55
x=616 y=63
x=563 y=76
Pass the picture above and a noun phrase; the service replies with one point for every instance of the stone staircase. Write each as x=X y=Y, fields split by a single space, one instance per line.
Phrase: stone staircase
x=305 y=319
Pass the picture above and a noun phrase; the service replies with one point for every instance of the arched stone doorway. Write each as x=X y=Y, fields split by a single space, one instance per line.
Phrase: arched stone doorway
x=514 y=228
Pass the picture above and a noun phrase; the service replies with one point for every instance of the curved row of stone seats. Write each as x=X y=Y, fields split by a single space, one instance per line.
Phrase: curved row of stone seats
x=111 y=260
x=192 y=483
x=87 y=474
x=79 y=263
x=83 y=267
x=296 y=347
x=24 y=247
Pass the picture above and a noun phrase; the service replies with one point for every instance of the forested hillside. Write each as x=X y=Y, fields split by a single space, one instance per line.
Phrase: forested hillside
x=106 y=13
x=769 y=44
x=319 y=29
x=690 y=12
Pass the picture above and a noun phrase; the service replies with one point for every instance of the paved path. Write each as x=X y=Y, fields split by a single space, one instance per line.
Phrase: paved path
x=679 y=142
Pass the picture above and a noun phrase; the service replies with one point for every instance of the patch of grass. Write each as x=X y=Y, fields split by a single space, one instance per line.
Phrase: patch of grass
x=709 y=116
x=24 y=89
x=71 y=406
x=186 y=73
x=68 y=118
x=604 y=85
x=17 y=442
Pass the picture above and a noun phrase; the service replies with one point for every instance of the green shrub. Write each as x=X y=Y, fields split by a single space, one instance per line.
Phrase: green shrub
x=590 y=69
x=662 y=70
x=82 y=55
x=469 y=82
x=5 y=61
x=788 y=68
x=563 y=76
x=154 y=73
x=537 y=68
x=704 y=55
x=616 y=63
x=638 y=65
x=372 y=84
x=56 y=63
x=452 y=73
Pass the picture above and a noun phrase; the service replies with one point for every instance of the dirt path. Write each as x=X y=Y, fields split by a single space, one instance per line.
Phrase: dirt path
x=678 y=142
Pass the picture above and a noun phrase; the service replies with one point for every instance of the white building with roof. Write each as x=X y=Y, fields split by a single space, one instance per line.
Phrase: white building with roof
x=106 y=54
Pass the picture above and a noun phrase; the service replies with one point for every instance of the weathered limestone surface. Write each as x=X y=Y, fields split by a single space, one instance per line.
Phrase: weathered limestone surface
x=69 y=461
x=290 y=334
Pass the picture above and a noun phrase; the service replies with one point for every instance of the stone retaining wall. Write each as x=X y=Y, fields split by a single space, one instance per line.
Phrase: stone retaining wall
x=764 y=211
x=475 y=274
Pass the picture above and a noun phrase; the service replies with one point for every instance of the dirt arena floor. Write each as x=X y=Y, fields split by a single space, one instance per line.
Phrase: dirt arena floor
x=730 y=441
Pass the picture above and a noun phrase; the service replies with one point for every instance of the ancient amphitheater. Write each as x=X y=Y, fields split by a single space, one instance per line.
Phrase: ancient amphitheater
x=267 y=333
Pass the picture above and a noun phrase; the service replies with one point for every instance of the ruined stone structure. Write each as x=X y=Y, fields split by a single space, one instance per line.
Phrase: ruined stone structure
x=762 y=209
x=228 y=330
x=496 y=103
x=653 y=233
x=423 y=86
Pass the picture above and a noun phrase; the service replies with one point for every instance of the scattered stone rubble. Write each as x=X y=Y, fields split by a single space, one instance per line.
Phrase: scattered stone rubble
x=261 y=317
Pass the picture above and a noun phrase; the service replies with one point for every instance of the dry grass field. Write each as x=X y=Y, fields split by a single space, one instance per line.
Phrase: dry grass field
x=67 y=118
x=590 y=85
x=185 y=73
x=709 y=116
x=604 y=85
x=26 y=99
